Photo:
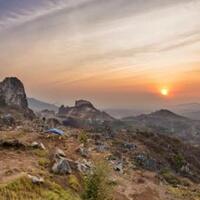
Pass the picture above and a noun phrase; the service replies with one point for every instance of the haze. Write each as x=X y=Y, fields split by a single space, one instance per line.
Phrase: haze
x=117 y=53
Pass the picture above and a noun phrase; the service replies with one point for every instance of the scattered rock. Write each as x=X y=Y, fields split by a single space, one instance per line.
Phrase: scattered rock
x=83 y=152
x=38 y=145
x=118 y=166
x=146 y=162
x=129 y=146
x=84 y=166
x=35 y=179
x=8 y=120
x=101 y=148
x=59 y=153
x=62 y=166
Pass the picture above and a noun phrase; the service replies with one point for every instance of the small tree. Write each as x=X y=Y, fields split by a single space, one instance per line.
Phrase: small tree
x=83 y=138
x=97 y=184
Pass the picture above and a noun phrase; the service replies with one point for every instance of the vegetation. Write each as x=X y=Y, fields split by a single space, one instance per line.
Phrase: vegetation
x=83 y=138
x=170 y=178
x=97 y=184
x=43 y=162
x=74 y=182
x=178 y=161
x=23 y=189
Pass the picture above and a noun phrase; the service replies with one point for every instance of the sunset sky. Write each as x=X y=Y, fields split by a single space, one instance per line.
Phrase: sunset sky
x=116 y=53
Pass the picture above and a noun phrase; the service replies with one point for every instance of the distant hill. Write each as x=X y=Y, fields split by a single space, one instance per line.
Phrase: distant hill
x=123 y=112
x=190 y=110
x=38 y=105
x=167 y=122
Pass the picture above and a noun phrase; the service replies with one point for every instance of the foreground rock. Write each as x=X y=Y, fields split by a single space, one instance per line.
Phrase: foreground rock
x=35 y=179
x=61 y=166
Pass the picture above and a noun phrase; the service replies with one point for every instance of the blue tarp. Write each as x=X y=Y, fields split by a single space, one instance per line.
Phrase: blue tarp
x=55 y=131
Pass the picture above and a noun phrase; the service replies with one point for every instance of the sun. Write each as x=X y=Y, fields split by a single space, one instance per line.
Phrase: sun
x=164 y=91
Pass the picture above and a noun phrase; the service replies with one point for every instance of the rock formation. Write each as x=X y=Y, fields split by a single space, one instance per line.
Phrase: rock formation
x=83 y=112
x=12 y=95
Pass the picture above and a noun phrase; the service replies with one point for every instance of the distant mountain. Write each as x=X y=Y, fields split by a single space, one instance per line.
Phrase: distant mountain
x=122 y=112
x=38 y=105
x=167 y=122
x=83 y=113
x=190 y=110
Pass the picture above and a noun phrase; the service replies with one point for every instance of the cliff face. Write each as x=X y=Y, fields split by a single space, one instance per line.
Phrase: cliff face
x=12 y=93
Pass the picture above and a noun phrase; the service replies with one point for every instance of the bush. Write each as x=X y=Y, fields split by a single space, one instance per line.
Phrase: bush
x=97 y=185
x=178 y=161
x=83 y=138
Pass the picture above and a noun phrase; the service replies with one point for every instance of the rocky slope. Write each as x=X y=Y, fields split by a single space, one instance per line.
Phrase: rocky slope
x=169 y=123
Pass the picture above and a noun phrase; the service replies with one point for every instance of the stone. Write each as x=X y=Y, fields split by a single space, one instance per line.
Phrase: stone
x=8 y=120
x=59 y=153
x=83 y=152
x=146 y=162
x=36 y=180
x=38 y=145
x=118 y=166
x=61 y=167
x=84 y=166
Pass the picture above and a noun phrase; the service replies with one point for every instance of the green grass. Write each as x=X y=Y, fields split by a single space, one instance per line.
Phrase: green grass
x=23 y=189
x=74 y=182
x=43 y=162
x=170 y=178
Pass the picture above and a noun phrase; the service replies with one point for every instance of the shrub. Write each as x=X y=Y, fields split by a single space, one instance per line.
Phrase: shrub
x=83 y=138
x=97 y=185
x=178 y=161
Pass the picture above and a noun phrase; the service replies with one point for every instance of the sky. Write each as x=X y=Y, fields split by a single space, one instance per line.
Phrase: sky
x=115 y=53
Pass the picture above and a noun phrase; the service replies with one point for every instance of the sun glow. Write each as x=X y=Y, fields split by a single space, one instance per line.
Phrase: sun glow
x=164 y=91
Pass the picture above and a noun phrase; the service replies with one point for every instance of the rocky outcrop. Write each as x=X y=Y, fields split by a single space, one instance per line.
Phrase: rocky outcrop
x=83 y=113
x=12 y=95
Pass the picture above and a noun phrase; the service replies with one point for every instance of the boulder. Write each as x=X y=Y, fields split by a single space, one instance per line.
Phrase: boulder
x=146 y=162
x=83 y=152
x=61 y=167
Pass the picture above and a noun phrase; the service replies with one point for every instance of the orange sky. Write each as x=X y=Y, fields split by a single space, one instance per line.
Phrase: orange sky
x=86 y=49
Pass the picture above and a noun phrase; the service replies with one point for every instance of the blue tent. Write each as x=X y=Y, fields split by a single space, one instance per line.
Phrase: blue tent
x=56 y=131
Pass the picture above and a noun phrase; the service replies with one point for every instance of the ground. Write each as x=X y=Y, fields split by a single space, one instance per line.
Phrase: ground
x=15 y=164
